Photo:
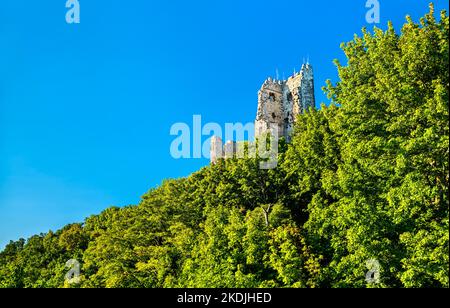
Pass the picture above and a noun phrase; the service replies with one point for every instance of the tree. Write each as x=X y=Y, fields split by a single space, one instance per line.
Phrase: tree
x=393 y=136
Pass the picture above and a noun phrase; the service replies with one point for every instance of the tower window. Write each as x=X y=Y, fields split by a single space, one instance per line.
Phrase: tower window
x=271 y=96
x=289 y=97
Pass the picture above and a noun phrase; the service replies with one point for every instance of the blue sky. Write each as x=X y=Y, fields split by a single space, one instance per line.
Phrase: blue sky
x=86 y=110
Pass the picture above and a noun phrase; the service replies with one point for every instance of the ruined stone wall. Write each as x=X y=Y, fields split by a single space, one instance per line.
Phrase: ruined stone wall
x=307 y=88
x=292 y=101
x=217 y=151
x=230 y=149
x=270 y=107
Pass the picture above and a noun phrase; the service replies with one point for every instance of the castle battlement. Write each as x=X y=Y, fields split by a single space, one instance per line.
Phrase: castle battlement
x=274 y=84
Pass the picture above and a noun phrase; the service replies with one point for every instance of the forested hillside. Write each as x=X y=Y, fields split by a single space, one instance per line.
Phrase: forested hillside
x=365 y=178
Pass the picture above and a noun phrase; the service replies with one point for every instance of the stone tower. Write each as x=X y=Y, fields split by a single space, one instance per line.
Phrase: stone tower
x=281 y=101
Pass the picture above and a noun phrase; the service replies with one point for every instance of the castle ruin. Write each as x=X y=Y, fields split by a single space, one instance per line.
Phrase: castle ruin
x=279 y=104
x=281 y=101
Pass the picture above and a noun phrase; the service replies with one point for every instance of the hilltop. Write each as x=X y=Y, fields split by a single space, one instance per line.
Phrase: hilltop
x=359 y=197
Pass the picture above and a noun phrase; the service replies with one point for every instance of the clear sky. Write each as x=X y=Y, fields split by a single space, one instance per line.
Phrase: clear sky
x=86 y=109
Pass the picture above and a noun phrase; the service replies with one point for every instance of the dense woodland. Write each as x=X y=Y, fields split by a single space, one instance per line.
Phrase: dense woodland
x=365 y=178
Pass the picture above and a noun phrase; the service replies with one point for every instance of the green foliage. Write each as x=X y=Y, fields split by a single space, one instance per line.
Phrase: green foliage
x=365 y=178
